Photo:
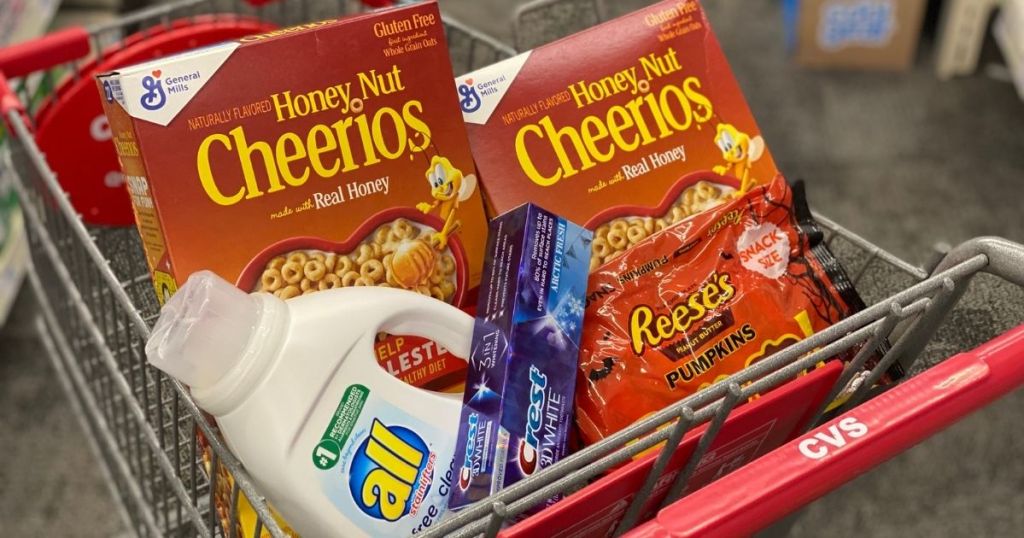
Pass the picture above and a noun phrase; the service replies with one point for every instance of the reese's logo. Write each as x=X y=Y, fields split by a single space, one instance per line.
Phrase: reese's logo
x=649 y=329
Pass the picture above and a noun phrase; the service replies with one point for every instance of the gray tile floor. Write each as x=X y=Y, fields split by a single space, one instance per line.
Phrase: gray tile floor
x=900 y=158
x=52 y=485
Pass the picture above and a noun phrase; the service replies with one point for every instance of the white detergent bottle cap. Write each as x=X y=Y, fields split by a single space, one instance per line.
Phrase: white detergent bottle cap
x=203 y=330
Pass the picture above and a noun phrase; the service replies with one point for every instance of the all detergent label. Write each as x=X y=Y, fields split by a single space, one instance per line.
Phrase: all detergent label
x=386 y=471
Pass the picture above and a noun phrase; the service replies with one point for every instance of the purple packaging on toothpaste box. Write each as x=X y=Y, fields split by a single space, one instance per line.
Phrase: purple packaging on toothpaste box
x=518 y=403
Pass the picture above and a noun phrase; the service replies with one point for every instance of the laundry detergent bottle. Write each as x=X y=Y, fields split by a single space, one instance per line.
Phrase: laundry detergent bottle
x=338 y=445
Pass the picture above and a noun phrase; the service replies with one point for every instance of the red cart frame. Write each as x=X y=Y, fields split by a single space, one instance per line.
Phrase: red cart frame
x=98 y=305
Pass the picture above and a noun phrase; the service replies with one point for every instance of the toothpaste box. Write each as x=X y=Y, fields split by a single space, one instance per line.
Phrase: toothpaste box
x=522 y=368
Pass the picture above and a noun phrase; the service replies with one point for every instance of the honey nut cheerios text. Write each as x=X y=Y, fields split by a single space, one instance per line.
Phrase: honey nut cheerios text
x=675 y=107
x=360 y=138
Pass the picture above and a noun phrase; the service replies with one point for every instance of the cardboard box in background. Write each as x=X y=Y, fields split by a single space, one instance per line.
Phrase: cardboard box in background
x=1009 y=33
x=855 y=34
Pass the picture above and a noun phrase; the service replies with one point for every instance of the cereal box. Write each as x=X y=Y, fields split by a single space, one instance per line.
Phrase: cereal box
x=636 y=123
x=326 y=155
x=303 y=159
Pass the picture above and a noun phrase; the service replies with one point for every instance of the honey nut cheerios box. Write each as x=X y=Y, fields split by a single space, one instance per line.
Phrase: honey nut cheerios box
x=327 y=155
x=626 y=127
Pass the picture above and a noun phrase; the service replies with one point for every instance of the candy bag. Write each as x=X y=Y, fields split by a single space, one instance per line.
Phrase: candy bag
x=703 y=299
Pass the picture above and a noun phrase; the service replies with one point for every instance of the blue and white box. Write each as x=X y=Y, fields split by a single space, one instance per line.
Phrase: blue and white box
x=517 y=409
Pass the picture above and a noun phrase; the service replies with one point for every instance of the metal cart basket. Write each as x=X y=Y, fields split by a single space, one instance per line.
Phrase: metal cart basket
x=98 y=306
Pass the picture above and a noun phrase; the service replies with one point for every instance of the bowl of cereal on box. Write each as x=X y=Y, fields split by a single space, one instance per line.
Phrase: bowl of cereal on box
x=394 y=248
x=618 y=228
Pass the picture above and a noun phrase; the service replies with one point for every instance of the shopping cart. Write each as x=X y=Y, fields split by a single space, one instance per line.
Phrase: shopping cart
x=97 y=306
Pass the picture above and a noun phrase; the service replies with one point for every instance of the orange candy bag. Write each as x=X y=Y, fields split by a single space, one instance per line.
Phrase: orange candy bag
x=701 y=300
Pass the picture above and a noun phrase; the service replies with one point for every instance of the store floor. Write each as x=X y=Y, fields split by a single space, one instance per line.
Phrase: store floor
x=903 y=159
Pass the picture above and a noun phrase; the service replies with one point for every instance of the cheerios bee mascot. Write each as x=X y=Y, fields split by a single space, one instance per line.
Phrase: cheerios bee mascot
x=448 y=187
x=740 y=151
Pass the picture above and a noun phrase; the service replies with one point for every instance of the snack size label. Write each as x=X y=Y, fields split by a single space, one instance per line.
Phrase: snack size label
x=388 y=472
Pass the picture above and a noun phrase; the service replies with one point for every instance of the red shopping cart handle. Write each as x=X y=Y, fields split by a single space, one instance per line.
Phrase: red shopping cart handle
x=826 y=457
x=72 y=44
x=367 y=3
x=37 y=54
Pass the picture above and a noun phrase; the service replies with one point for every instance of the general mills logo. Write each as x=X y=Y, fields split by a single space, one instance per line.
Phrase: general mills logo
x=470 y=101
x=108 y=92
x=154 y=98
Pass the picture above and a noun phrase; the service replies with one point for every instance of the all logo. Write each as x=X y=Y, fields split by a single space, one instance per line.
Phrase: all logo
x=470 y=101
x=154 y=98
x=391 y=472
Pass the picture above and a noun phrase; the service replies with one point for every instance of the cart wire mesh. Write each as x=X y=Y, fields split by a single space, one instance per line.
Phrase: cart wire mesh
x=98 y=305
